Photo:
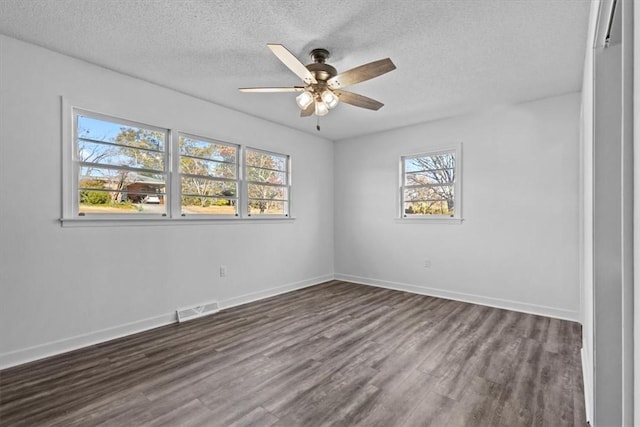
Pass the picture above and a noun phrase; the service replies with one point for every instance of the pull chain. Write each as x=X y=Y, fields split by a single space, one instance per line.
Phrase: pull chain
x=318 y=123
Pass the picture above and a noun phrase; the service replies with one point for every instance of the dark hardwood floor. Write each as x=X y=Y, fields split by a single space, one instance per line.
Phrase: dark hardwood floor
x=332 y=354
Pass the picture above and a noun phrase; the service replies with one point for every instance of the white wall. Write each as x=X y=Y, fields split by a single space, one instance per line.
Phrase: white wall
x=518 y=245
x=62 y=288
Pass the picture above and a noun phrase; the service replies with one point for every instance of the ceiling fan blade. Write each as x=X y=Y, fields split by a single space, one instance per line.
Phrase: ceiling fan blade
x=272 y=89
x=292 y=63
x=358 y=100
x=311 y=108
x=361 y=73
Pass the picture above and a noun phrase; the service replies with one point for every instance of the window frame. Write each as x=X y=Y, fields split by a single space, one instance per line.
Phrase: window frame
x=70 y=212
x=246 y=182
x=457 y=217
x=73 y=208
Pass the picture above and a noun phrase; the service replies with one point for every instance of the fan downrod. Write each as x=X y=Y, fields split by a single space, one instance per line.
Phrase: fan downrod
x=319 y=55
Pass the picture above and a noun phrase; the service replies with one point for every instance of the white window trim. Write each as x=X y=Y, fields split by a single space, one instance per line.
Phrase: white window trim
x=434 y=219
x=125 y=222
x=70 y=168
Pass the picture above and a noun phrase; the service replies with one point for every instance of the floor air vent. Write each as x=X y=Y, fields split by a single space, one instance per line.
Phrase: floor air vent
x=190 y=313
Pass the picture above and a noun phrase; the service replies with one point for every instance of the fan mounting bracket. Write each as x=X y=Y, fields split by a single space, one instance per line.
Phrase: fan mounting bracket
x=319 y=55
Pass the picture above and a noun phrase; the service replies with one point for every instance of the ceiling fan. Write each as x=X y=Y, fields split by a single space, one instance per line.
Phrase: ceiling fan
x=323 y=85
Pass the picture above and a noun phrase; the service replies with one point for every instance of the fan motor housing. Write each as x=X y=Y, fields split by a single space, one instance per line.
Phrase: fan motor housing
x=321 y=71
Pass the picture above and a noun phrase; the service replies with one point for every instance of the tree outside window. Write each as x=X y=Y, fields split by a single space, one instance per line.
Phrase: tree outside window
x=429 y=184
x=267 y=183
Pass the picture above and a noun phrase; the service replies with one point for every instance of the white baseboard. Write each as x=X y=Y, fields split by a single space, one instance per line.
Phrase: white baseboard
x=19 y=357
x=541 y=310
x=587 y=381
x=255 y=296
x=30 y=354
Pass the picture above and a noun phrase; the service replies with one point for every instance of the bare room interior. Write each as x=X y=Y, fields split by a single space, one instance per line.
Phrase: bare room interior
x=291 y=213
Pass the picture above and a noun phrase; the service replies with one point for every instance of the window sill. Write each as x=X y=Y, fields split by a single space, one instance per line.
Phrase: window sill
x=430 y=220
x=124 y=222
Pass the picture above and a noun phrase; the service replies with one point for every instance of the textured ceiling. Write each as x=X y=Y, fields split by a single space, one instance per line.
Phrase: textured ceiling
x=452 y=57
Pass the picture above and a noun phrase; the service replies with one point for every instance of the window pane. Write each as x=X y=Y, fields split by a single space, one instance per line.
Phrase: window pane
x=268 y=176
x=121 y=134
x=206 y=196
x=443 y=207
x=119 y=202
x=207 y=150
x=209 y=206
x=92 y=152
x=207 y=168
x=435 y=193
x=123 y=185
x=430 y=162
x=266 y=161
x=267 y=192
x=208 y=187
x=267 y=207
x=442 y=176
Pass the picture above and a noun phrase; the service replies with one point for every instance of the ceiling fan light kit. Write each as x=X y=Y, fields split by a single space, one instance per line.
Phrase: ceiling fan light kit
x=329 y=98
x=304 y=99
x=321 y=109
x=322 y=83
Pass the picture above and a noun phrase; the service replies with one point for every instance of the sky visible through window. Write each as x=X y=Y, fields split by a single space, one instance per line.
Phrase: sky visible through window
x=98 y=129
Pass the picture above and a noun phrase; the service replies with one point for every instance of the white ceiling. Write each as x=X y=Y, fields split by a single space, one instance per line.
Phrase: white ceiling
x=452 y=57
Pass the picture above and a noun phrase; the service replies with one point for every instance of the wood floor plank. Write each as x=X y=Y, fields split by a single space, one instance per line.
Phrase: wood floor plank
x=192 y=413
x=335 y=354
x=478 y=405
x=319 y=404
x=259 y=417
x=397 y=400
x=110 y=410
x=322 y=378
x=432 y=410
x=229 y=408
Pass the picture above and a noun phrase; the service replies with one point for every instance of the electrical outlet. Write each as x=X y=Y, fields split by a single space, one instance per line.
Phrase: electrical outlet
x=427 y=263
x=223 y=271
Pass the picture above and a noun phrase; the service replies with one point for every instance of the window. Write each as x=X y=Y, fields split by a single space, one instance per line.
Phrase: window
x=125 y=171
x=430 y=186
x=122 y=167
x=267 y=177
x=208 y=176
